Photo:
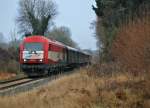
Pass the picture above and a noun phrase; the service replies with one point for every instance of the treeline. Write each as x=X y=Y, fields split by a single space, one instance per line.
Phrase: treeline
x=112 y=15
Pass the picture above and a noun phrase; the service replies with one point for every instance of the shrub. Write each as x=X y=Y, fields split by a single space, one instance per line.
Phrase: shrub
x=13 y=66
x=131 y=46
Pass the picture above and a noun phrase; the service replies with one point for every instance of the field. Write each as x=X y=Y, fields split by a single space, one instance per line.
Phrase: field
x=85 y=89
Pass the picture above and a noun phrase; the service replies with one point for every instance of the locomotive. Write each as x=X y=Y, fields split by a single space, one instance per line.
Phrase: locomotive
x=42 y=56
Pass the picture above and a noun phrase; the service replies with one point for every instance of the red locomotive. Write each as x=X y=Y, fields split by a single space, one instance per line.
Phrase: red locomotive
x=41 y=56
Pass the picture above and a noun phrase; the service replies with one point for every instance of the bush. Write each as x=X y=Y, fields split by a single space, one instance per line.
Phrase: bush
x=131 y=46
x=13 y=66
x=8 y=61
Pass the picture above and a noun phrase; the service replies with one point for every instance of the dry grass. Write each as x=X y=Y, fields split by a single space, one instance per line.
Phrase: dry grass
x=72 y=91
x=5 y=75
x=132 y=44
x=79 y=90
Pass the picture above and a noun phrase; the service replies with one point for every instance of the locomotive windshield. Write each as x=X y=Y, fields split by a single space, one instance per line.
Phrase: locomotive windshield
x=33 y=47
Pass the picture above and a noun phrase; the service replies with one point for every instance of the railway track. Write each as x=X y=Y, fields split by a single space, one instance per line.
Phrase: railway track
x=21 y=85
x=13 y=87
x=19 y=77
x=13 y=83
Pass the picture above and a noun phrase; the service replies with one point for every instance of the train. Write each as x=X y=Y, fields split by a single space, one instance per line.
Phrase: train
x=40 y=56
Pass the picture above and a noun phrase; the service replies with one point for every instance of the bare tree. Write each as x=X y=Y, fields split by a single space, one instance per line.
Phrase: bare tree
x=3 y=42
x=62 y=34
x=35 y=16
x=1 y=38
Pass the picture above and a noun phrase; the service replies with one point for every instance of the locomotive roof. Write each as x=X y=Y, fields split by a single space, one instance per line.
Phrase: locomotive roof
x=52 y=41
x=45 y=39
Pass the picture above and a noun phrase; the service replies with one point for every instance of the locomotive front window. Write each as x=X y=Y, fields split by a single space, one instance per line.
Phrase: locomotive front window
x=33 y=46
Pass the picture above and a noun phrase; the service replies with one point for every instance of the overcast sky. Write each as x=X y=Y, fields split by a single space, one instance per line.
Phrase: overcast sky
x=75 y=14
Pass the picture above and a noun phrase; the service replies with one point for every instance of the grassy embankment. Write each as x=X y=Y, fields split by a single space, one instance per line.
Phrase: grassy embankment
x=85 y=89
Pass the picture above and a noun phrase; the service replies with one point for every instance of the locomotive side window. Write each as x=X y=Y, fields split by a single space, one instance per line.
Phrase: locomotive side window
x=33 y=47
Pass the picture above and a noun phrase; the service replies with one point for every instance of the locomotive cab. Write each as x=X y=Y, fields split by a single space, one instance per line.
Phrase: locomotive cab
x=33 y=52
x=33 y=55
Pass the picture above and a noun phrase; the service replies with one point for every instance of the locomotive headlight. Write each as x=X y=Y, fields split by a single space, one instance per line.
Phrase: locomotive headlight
x=25 y=60
x=41 y=60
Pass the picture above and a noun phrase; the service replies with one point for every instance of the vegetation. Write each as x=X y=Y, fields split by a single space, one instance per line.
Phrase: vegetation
x=124 y=44
x=111 y=14
x=35 y=16
x=8 y=57
x=2 y=41
x=131 y=46
x=84 y=89
x=62 y=34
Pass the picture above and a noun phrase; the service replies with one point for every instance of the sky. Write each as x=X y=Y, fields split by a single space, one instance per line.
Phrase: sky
x=77 y=15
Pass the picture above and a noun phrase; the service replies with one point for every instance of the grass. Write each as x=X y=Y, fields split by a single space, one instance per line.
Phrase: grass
x=5 y=75
x=85 y=90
